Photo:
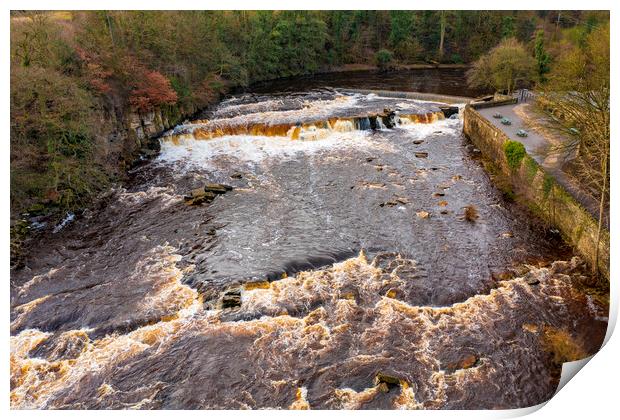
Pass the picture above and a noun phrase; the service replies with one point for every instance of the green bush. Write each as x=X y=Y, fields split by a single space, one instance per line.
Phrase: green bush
x=383 y=58
x=515 y=152
x=456 y=59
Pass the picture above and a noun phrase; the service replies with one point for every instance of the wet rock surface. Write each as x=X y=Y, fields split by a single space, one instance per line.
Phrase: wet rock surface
x=296 y=288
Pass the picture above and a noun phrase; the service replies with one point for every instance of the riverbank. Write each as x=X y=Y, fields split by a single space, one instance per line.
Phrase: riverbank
x=394 y=67
x=538 y=187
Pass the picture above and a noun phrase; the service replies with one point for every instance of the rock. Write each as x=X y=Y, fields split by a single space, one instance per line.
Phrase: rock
x=472 y=149
x=217 y=188
x=444 y=212
x=385 y=382
x=390 y=203
x=383 y=387
x=448 y=111
x=402 y=200
x=197 y=192
x=148 y=153
x=421 y=154
x=388 y=118
x=370 y=159
x=231 y=299
x=388 y=379
x=236 y=175
x=392 y=293
x=423 y=214
x=532 y=280
x=442 y=203
x=418 y=141
x=466 y=362
x=198 y=196
x=264 y=284
x=438 y=194
x=507 y=235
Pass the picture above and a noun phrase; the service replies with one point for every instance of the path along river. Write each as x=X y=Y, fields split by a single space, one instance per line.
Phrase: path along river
x=338 y=273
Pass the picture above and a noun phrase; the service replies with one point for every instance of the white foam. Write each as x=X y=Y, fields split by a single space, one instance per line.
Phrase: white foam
x=255 y=149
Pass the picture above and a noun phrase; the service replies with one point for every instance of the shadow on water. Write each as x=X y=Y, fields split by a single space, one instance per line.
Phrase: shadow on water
x=440 y=81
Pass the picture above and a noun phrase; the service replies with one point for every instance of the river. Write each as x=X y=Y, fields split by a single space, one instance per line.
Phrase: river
x=339 y=272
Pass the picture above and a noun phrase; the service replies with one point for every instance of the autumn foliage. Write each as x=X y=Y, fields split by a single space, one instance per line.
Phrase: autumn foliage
x=151 y=90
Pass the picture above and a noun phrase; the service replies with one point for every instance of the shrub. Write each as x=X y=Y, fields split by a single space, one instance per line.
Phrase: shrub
x=383 y=58
x=515 y=152
x=456 y=59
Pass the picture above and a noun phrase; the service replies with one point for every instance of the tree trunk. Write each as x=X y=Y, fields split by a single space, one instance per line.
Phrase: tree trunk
x=107 y=16
x=442 y=23
x=601 y=211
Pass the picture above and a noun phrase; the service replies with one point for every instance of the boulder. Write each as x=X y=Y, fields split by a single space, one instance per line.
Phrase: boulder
x=198 y=196
x=231 y=299
x=448 y=111
x=217 y=188
x=388 y=118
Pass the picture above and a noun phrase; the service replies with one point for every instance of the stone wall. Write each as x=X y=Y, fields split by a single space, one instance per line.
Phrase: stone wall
x=537 y=189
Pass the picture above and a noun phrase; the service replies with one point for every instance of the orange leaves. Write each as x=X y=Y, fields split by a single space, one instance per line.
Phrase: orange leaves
x=152 y=89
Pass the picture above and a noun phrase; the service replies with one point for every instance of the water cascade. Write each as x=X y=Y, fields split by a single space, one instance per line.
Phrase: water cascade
x=337 y=272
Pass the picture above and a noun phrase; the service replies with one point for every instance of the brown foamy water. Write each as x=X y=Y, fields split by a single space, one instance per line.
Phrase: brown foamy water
x=360 y=284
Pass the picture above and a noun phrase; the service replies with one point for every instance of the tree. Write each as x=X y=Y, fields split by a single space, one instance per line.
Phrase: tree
x=503 y=68
x=542 y=57
x=383 y=58
x=442 y=32
x=151 y=90
x=577 y=98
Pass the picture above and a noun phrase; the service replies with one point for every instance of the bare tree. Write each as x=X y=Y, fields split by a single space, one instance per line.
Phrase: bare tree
x=577 y=99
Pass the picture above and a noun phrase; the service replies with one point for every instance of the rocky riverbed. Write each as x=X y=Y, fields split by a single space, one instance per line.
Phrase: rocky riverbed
x=335 y=267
